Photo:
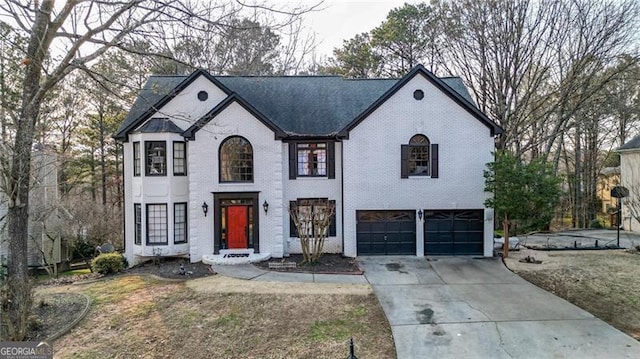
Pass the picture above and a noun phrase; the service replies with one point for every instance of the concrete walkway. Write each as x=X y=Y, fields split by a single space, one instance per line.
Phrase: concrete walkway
x=461 y=307
x=251 y=272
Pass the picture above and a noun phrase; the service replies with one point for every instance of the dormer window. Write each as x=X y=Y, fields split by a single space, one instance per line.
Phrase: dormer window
x=156 y=158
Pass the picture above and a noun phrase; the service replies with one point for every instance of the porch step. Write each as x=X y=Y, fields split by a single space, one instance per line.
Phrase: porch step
x=235 y=256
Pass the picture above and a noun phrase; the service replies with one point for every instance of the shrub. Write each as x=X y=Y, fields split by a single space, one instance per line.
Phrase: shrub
x=596 y=224
x=108 y=263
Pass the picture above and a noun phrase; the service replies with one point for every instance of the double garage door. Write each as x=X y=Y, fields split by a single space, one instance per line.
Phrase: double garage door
x=445 y=232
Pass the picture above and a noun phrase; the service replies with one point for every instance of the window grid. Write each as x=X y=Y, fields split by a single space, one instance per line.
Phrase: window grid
x=156 y=159
x=136 y=158
x=236 y=160
x=137 y=210
x=179 y=159
x=180 y=223
x=419 y=156
x=312 y=159
x=157 y=224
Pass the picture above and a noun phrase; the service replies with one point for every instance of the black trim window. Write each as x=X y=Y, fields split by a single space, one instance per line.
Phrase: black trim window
x=136 y=158
x=156 y=158
x=308 y=204
x=236 y=160
x=312 y=159
x=179 y=223
x=179 y=158
x=137 y=213
x=157 y=224
x=419 y=158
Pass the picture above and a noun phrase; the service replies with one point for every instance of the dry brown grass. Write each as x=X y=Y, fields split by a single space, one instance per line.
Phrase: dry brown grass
x=139 y=317
x=605 y=283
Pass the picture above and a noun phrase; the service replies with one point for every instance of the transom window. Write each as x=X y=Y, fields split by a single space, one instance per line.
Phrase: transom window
x=419 y=156
x=157 y=223
x=136 y=158
x=312 y=159
x=180 y=223
x=236 y=160
x=156 y=158
x=179 y=159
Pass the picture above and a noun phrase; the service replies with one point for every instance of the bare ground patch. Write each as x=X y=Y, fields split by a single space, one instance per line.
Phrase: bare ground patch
x=605 y=283
x=135 y=316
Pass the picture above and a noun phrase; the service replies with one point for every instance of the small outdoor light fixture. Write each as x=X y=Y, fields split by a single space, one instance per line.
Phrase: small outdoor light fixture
x=265 y=206
x=205 y=208
x=420 y=214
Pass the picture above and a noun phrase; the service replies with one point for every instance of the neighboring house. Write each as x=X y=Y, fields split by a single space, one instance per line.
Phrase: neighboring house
x=212 y=163
x=46 y=243
x=609 y=177
x=630 y=178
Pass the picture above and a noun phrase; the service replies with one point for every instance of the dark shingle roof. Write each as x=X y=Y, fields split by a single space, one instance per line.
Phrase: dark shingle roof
x=298 y=105
x=633 y=144
x=308 y=105
x=156 y=125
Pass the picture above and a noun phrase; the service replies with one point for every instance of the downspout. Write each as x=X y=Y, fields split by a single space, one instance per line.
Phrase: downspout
x=342 y=191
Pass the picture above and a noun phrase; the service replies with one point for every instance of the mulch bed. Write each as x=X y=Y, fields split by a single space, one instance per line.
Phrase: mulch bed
x=328 y=263
x=52 y=312
x=170 y=268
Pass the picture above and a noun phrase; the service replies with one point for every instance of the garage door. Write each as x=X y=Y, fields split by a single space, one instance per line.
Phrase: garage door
x=386 y=232
x=453 y=232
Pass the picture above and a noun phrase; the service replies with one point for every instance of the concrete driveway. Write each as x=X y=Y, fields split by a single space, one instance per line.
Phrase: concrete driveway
x=461 y=307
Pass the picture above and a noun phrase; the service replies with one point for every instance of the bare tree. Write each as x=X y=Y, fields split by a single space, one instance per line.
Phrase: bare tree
x=312 y=219
x=74 y=34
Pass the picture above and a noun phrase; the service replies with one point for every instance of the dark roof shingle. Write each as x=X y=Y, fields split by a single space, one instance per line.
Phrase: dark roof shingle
x=632 y=144
x=298 y=105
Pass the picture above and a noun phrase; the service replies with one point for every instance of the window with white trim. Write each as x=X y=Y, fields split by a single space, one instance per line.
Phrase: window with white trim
x=137 y=214
x=180 y=223
x=157 y=224
x=179 y=158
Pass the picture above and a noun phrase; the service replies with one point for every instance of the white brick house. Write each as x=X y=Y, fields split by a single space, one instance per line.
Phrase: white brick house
x=403 y=160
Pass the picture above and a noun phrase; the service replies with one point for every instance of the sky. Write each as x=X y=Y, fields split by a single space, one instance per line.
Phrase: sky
x=341 y=20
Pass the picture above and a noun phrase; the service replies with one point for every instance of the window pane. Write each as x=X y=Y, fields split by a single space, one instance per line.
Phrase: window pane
x=419 y=156
x=179 y=159
x=156 y=224
x=236 y=160
x=312 y=159
x=137 y=210
x=180 y=223
x=310 y=211
x=156 y=158
x=136 y=158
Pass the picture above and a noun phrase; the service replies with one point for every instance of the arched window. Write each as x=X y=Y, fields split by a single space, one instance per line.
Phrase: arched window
x=419 y=147
x=236 y=160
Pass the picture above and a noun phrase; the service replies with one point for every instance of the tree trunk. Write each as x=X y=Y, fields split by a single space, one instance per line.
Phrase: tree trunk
x=19 y=292
x=103 y=165
x=505 y=246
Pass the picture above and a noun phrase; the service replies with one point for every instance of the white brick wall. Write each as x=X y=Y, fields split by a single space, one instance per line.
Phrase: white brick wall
x=372 y=159
x=268 y=176
x=313 y=187
x=186 y=108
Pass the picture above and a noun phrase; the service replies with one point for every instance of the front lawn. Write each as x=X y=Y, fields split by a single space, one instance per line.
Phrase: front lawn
x=606 y=283
x=219 y=317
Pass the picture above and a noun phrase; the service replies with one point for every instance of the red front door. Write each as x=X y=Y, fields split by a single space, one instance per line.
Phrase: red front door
x=237 y=226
